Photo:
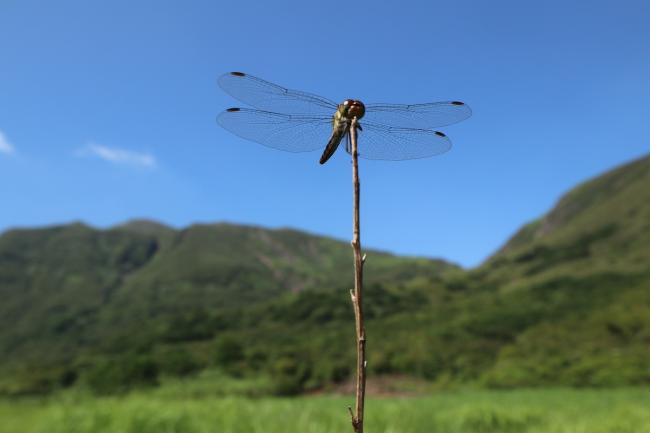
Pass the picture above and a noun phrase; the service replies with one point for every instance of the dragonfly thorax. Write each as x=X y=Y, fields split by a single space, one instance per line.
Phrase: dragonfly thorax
x=352 y=108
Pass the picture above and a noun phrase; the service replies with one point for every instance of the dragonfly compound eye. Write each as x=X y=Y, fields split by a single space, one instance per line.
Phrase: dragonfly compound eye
x=357 y=109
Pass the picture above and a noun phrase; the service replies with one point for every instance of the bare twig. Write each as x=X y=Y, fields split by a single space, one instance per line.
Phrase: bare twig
x=357 y=296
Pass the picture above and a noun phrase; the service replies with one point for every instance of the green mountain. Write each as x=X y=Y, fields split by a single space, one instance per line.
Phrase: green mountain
x=565 y=302
x=582 y=274
x=73 y=293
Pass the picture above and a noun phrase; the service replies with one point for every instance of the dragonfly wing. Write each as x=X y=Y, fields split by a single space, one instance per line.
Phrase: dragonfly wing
x=291 y=133
x=419 y=116
x=267 y=96
x=395 y=144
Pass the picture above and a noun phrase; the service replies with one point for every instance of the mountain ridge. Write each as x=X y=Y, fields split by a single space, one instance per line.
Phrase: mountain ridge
x=549 y=308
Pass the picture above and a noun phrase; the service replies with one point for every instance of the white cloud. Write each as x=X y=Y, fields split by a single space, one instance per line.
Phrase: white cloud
x=5 y=146
x=119 y=156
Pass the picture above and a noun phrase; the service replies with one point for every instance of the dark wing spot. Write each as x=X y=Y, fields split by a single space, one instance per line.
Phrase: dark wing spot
x=238 y=74
x=230 y=110
x=440 y=134
x=457 y=103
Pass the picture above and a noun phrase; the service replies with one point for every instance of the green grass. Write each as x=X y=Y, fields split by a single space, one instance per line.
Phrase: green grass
x=530 y=411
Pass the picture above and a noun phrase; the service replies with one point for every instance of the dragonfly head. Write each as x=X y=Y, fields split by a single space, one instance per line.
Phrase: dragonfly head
x=352 y=108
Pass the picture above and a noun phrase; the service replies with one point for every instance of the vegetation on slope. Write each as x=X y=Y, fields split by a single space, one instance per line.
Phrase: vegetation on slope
x=564 y=302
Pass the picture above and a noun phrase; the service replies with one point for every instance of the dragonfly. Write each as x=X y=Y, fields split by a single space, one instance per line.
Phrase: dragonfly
x=296 y=121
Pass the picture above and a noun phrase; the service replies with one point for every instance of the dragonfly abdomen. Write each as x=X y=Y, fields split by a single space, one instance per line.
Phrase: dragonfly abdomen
x=339 y=129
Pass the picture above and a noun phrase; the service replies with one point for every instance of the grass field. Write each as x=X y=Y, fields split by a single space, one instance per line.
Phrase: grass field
x=531 y=411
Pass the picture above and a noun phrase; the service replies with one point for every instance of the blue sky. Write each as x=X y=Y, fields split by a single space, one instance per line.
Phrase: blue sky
x=107 y=112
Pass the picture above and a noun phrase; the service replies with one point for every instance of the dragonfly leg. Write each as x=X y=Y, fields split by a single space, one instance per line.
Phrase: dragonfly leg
x=348 y=146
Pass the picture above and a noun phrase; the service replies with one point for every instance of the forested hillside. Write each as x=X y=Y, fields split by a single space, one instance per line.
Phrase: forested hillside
x=565 y=302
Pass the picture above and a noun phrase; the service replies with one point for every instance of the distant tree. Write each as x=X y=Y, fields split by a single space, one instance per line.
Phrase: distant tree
x=289 y=375
x=228 y=351
x=110 y=376
x=178 y=362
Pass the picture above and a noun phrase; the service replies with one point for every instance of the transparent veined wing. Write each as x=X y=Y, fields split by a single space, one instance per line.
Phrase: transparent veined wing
x=267 y=96
x=394 y=144
x=419 y=116
x=291 y=133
